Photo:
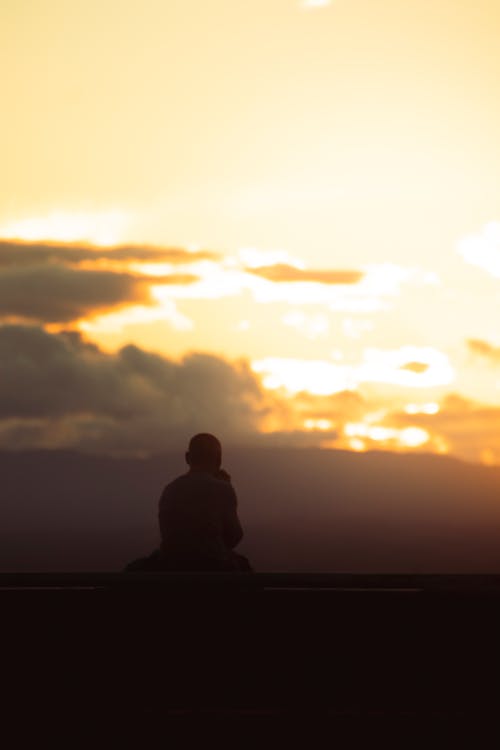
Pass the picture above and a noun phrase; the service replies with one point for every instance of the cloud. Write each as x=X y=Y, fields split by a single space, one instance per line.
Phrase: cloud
x=16 y=253
x=43 y=282
x=57 y=390
x=483 y=249
x=417 y=367
x=369 y=290
x=314 y=4
x=325 y=413
x=407 y=367
x=311 y=326
x=55 y=294
x=483 y=349
x=468 y=429
x=281 y=272
x=99 y=227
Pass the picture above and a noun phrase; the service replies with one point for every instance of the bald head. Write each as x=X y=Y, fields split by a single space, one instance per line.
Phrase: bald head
x=204 y=453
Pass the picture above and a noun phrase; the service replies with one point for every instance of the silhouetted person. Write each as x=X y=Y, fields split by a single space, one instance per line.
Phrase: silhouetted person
x=198 y=516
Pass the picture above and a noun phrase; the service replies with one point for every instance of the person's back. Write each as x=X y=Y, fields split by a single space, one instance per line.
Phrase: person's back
x=198 y=517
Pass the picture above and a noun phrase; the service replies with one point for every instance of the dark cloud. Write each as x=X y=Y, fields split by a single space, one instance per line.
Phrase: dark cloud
x=282 y=272
x=57 y=294
x=483 y=349
x=60 y=294
x=417 y=367
x=41 y=281
x=59 y=390
x=16 y=253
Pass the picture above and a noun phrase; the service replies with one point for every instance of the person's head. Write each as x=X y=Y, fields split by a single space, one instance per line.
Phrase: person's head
x=204 y=452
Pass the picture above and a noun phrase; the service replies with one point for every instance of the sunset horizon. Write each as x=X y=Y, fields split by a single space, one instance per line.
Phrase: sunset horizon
x=275 y=221
x=250 y=370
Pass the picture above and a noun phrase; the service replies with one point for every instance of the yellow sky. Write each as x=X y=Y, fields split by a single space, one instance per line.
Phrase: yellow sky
x=362 y=128
x=355 y=135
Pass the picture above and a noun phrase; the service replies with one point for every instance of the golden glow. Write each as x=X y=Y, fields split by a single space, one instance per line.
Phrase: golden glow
x=378 y=366
x=252 y=257
x=312 y=4
x=483 y=249
x=311 y=326
x=414 y=436
x=339 y=137
x=152 y=269
x=430 y=408
x=296 y=375
x=229 y=278
x=381 y=366
x=354 y=328
x=440 y=445
x=103 y=229
x=380 y=283
x=243 y=325
x=318 y=424
x=215 y=282
x=488 y=457
x=361 y=429
x=115 y=322
x=356 y=444
x=410 y=437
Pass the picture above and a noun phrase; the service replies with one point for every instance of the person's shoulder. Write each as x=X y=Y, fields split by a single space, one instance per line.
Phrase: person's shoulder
x=203 y=477
x=175 y=484
x=214 y=485
x=181 y=478
x=220 y=487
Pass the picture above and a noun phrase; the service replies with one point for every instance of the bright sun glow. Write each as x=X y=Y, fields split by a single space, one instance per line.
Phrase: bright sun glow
x=410 y=437
x=233 y=275
x=312 y=4
x=432 y=368
x=427 y=368
x=311 y=326
x=483 y=249
x=104 y=228
x=252 y=257
x=295 y=375
x=115 y=322
x=318 y=424
x=430 y=408
x=310 y=187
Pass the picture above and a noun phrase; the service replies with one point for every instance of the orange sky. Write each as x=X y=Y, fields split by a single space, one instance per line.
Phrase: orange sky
x=340 y=162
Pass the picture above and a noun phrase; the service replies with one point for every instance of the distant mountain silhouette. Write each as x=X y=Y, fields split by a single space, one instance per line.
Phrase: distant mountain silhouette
x=302 y=510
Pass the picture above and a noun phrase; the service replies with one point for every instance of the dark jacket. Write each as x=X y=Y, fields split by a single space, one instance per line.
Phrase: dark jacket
x=199 y=522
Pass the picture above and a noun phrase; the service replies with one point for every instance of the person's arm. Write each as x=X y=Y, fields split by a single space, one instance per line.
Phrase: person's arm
x=232 y=531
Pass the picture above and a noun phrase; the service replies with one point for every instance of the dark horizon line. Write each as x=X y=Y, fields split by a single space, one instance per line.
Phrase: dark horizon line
x=240 y=445
x=395 y=582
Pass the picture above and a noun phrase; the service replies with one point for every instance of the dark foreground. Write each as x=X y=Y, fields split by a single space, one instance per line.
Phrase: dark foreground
x=154 y=654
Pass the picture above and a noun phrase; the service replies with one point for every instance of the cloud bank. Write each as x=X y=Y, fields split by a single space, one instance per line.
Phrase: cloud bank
x=281 y=272
x=57 y=390
x=484 y=349
x=45 y=283
x=55 y=294
x=16 y=253
x=464 y=427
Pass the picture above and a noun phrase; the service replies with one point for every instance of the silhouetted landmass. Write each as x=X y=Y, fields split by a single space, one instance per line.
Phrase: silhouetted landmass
x=302 y=510
x=154 y=658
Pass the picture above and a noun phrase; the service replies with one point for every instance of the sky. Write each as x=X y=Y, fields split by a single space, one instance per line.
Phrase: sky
x=278 y=220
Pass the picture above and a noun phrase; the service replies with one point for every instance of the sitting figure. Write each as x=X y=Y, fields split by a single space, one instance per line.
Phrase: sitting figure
x=198 y=517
